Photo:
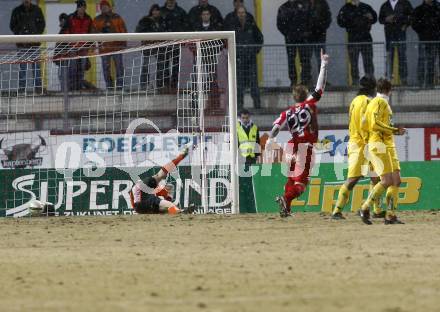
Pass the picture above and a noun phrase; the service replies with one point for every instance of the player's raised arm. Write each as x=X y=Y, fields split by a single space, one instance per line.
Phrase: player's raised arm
x=322 y=78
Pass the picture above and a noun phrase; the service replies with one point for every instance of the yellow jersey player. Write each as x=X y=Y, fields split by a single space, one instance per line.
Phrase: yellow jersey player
x=383 y=155
x=357 y=164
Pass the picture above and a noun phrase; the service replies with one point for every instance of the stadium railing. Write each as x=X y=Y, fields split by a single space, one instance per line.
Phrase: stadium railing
x=270 y=71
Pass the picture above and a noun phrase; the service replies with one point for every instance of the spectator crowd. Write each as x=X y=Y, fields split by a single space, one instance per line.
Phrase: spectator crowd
x=303 y=23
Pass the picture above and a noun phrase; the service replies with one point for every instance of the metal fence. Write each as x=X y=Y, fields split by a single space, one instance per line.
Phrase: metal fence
x=408 y=64
x=265 y=72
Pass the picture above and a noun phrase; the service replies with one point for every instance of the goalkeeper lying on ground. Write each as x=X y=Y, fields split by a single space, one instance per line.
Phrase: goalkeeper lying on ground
x=148 y=197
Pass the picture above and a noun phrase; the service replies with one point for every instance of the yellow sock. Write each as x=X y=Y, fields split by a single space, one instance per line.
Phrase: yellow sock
x=396 y=198
x=376 y=203
x=376 y=192
x=343 y=195
x=391 y=199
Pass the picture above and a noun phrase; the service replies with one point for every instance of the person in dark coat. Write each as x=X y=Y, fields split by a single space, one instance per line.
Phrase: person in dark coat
x=176 y=20
x=395 y=15
x=153 y=22
x=155 y=57
x=231 y=17
x=294 y=21
x=321 y=20
x=357 y=18
x=196 y=12
x=207 y=22
x=61 y=52
x=426 y=22
x=28 y=19
x=246 y=33
x=210 y=54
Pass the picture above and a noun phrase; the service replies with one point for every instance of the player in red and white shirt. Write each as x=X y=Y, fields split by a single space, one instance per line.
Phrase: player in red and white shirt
x=302 y=122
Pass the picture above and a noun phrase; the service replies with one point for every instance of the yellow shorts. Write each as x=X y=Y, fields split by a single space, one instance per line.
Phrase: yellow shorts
x=357 y=163
x=381 y=158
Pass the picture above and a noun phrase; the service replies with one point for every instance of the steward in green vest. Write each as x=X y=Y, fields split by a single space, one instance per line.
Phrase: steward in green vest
x=248 y=138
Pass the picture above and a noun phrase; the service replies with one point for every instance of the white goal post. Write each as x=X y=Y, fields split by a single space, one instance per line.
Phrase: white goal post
x=106 y=112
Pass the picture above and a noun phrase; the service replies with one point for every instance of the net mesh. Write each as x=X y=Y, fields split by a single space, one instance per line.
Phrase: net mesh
x=81 y=121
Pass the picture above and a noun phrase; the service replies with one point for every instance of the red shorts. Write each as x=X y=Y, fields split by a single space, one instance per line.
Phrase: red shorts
x=301 y=158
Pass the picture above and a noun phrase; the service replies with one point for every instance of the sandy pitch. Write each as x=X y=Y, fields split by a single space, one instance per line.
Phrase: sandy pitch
x=220 y=263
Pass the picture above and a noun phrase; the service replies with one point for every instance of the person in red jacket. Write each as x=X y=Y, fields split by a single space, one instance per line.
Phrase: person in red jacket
x=80 y=22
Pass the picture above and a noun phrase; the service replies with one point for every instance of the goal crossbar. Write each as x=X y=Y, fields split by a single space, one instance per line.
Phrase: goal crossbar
x=212 y=35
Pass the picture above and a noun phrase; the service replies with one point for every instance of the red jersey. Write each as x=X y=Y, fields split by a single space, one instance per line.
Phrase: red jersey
x=77 y=25
x=302 y=120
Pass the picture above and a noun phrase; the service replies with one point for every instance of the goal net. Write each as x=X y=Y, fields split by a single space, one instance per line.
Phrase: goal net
x=83 y=118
